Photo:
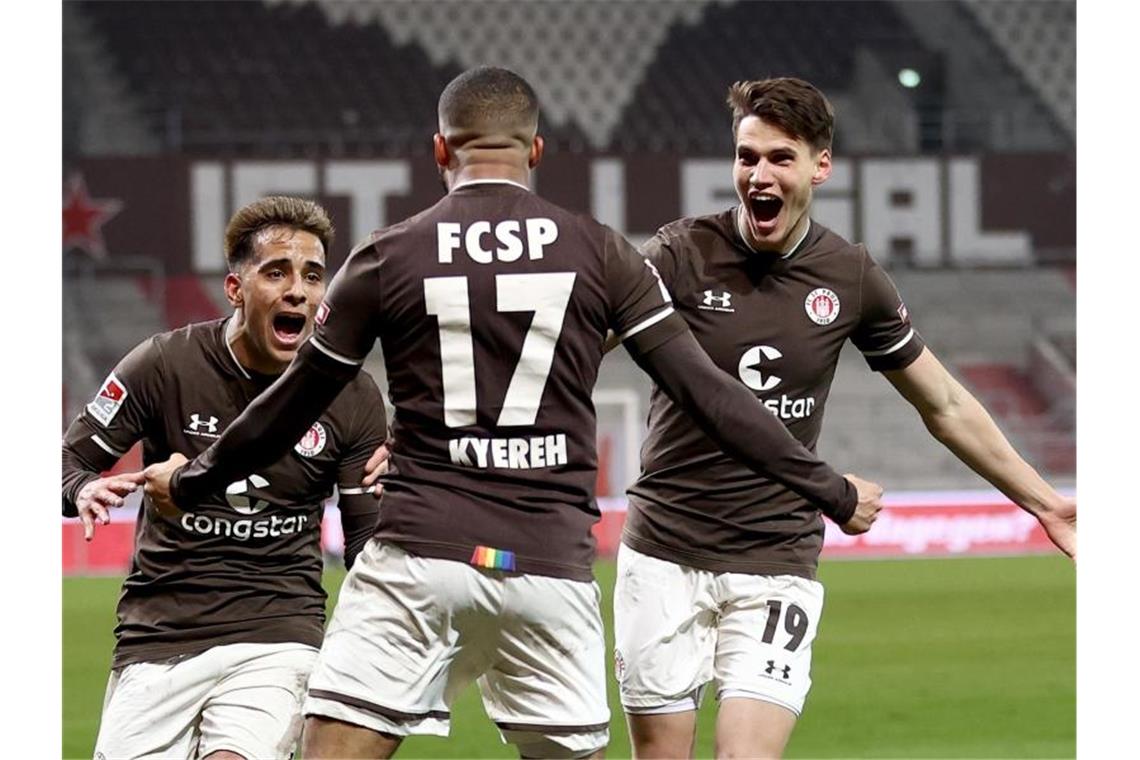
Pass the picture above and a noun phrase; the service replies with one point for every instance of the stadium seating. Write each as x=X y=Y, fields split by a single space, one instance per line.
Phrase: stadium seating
x=288 y=77
x=1040 y=40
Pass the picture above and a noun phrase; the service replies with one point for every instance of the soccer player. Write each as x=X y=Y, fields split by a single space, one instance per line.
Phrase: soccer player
x=717 y=566
x=222 y=613
x=492 y=307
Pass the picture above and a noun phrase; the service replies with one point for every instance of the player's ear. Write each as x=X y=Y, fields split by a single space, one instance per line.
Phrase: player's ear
x=536 y=151
x=232 y=286
x=822 y=167
x=441 y=151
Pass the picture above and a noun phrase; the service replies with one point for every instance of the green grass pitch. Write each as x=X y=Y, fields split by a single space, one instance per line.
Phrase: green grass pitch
x=948 y=658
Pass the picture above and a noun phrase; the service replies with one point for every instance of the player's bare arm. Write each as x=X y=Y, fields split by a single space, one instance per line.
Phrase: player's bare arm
x=961 y=424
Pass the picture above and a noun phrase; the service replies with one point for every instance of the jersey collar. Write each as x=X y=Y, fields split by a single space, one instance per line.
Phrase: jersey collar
x=230 y=350
x=740 y=233
x=489 y=182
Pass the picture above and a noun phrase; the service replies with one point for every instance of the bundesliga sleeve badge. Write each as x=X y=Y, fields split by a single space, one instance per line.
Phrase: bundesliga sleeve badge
x=822 y=306
x=108 y=401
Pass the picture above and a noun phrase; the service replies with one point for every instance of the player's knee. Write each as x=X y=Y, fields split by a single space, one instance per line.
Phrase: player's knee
x=331 y=738
x=755 y=747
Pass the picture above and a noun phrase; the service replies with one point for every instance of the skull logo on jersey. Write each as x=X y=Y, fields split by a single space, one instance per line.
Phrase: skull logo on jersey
x=238 y=498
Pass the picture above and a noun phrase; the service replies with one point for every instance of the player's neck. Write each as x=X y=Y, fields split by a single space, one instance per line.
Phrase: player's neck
x=244 y=350
x=490 y=170
x=791 y=242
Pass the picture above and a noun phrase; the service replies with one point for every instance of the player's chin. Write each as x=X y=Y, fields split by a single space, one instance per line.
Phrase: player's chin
x=284 y=349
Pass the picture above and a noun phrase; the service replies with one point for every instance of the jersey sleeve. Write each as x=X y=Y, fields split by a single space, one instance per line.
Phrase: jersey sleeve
x=659 y=251
x=359 y=509
x=641 y=310
x=347 y=321
x=885 y=334
x=125 y=409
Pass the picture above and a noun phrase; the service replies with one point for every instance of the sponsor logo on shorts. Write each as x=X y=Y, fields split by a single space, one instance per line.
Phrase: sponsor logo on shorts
x=108 y=401
x=822 y=306
x=313 y=442
x=784 y=670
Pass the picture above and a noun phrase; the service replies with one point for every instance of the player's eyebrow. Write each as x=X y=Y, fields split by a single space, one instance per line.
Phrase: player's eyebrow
x=285 y=261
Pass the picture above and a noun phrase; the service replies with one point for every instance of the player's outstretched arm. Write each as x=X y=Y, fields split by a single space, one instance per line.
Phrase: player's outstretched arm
x=261 y=435
x=961 y=424
x=731 y=415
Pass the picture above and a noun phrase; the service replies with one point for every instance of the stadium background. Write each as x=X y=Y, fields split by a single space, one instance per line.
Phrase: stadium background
x=962 y=183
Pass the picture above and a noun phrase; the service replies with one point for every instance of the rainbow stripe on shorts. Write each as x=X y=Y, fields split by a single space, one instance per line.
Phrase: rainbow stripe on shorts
x=493 y=559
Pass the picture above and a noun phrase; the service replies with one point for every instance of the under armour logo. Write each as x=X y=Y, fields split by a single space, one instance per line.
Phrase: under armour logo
x=772 y=668
x=197 y=422
x=724 y=300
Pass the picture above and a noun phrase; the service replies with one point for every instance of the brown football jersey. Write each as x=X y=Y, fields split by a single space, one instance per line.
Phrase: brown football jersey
x=244 y=565
x=492 y=308
x=777 y=324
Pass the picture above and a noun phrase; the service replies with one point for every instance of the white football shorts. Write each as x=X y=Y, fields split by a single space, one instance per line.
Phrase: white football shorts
x=409 y=633
x=245 y=698
x=678 y=628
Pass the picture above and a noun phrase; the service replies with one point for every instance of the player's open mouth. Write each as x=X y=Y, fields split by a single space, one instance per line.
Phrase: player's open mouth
x=764 y=209
x=289 y=328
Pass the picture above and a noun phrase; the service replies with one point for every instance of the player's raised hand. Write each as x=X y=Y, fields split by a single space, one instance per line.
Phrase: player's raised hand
x=157 y=486
x=97 y=496
x=1061 y=526
x=868 y=507
x=376 y=466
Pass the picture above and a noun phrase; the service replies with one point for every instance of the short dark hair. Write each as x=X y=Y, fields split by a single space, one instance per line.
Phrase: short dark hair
x=274 y=211
x=488 y=100
x=793 y=105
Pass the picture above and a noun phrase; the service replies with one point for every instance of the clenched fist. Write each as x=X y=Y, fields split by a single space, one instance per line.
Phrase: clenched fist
x=867 y=509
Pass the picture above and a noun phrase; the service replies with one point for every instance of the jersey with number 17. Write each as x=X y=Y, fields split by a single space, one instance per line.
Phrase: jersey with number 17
x=492 y=308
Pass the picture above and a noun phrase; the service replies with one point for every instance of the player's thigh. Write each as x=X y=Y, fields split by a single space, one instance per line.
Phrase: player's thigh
x=765 y=634
x=255 y=709
x=394 y=650
x=752 y=728
x=152 y=709
x=546 y=691
x=665 y=632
